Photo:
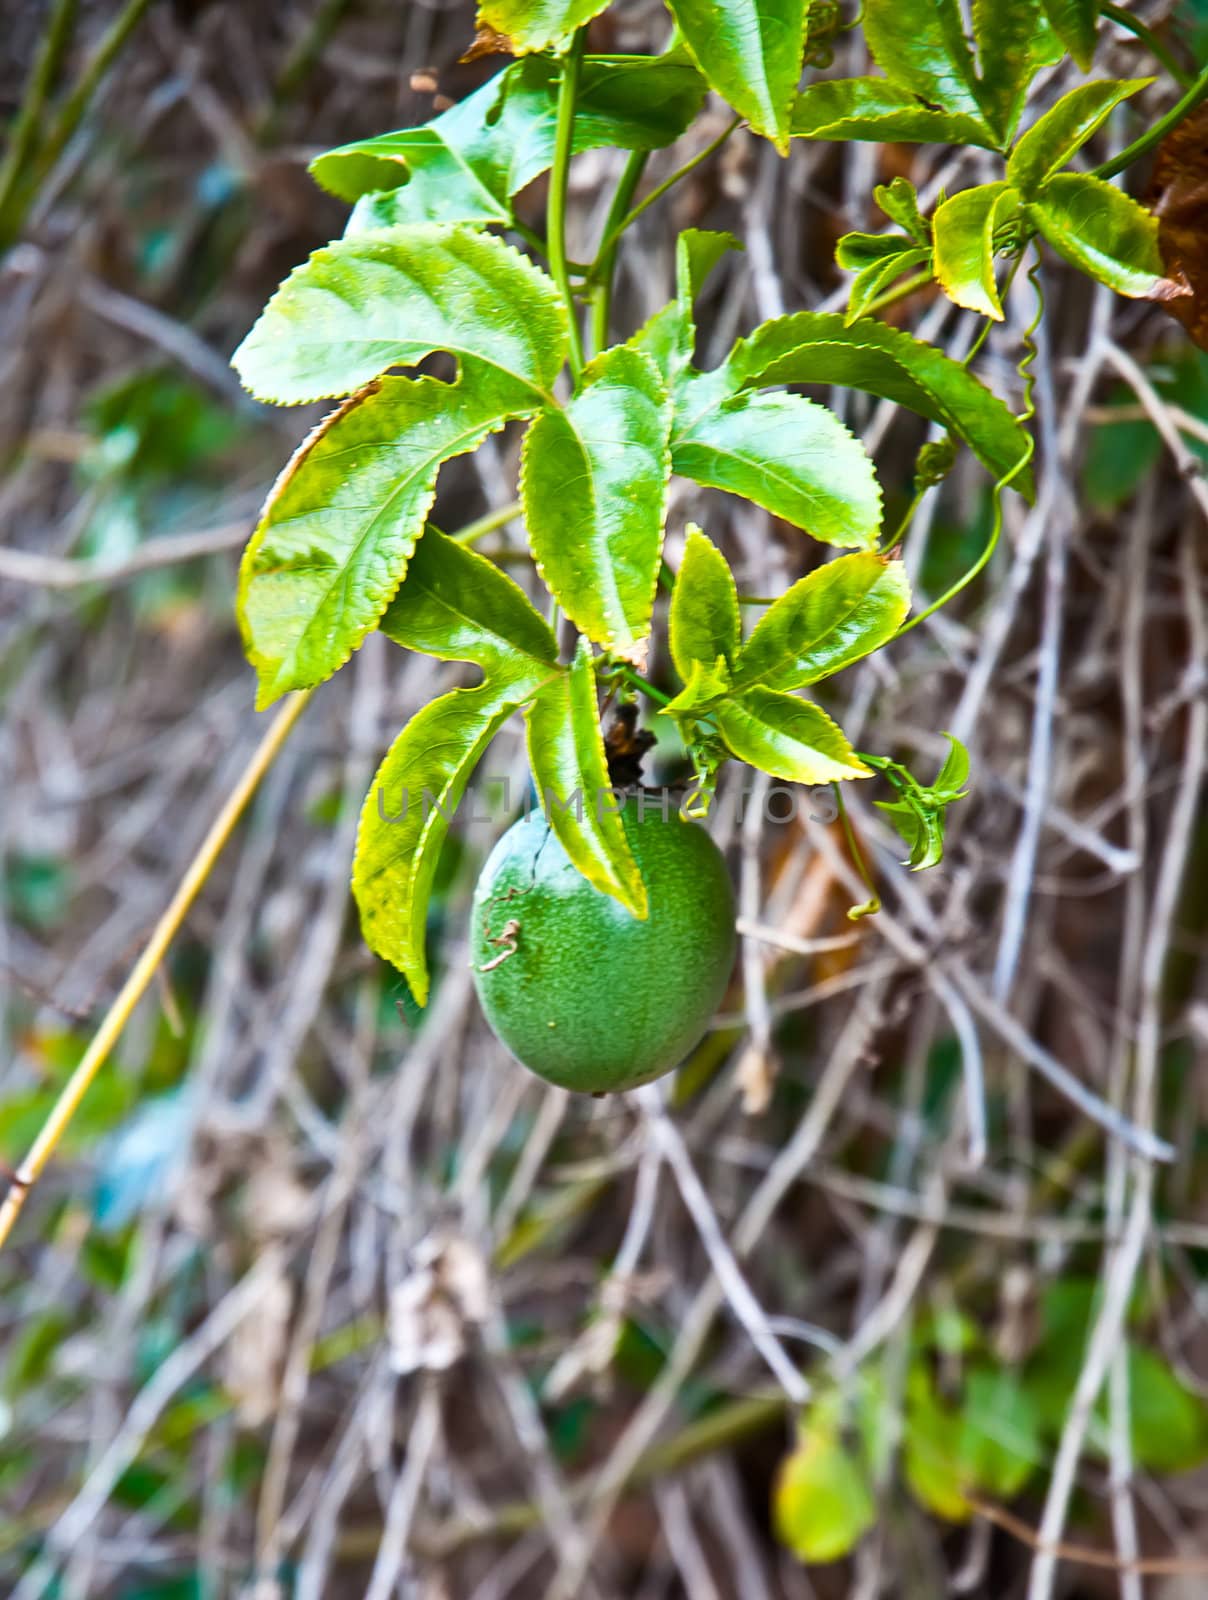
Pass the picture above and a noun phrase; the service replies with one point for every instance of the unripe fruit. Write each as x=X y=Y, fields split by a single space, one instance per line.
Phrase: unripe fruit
x=580 y=991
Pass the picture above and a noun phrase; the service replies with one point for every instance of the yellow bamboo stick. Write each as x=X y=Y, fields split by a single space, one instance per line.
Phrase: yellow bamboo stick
x=135 y=986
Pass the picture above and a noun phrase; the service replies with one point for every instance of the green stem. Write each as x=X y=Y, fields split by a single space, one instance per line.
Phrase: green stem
x=1150 y=40
x=473 y=531
x=1029 y=410
x=1196 y=95
x=613 y=231
x=873 y=904
x=892 y=540
x=568 y=90
x=603 y=270
x=920 y=280
x=577 y=269
x=644 y=684
x=23 y=136
x=984 y=331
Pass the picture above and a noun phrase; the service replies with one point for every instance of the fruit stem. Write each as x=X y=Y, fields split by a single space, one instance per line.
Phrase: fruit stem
x=644 y=684
x=568 y=90
x=1195 y=95
x=873 y=905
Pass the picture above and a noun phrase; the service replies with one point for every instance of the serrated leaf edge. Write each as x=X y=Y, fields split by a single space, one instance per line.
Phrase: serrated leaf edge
x=629 y=647
x=282 y=681
x=400 y=234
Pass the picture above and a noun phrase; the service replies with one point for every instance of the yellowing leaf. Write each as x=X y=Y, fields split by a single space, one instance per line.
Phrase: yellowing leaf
x=537 y=24
x=823 y=1504
x=407 y=813
x=963 y=231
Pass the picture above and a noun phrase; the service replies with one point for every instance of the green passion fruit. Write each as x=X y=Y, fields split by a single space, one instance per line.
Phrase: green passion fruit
x=584 y=994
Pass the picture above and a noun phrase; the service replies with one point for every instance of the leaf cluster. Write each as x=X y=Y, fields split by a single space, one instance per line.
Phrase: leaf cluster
x=973 y=1425
x=439 y=259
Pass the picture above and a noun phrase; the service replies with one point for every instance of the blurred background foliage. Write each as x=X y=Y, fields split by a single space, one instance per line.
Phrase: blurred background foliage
x=279 y=1111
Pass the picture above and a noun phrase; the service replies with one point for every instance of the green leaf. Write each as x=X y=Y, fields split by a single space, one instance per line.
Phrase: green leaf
x=932 y=91
x=827 y=620
x=751 y=51
x=952 y=777
x=566 y=752
x=900 y=204
x=856 y=251
x=466 y=164
x=1101 y=230
x=990 y=1442
x=787 y=454
x=704 y=622
x=1119 y=455
x=816 y=347
x=1169 y=1421
x=1074 y=23
x=931 y=1443
x=458 y=606
x=874 y=108
x=919 y=812
x=921 y=45
x=537 y=24
x=669 y=337
x=1012 y=39
x=594 y=484
x=787 y=737
x=387 y=299
x=1000 y=1445
x=407 y=813
x=456 y=168
x=822 y=1503
x=872 y=282
x=964 y=246
x=921 y=830
x=1054 y=138
x=706 y=684
x=629 y=102
x=341 y=522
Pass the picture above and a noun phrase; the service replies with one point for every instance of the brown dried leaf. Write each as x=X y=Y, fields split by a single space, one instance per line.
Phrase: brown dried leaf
x=1179 y=197
x=489 y=42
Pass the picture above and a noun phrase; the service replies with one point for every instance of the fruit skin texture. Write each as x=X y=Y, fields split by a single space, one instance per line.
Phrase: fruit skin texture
x=587 y=996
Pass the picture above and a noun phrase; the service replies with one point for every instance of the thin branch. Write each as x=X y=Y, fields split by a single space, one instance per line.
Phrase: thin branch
x=57 y=572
